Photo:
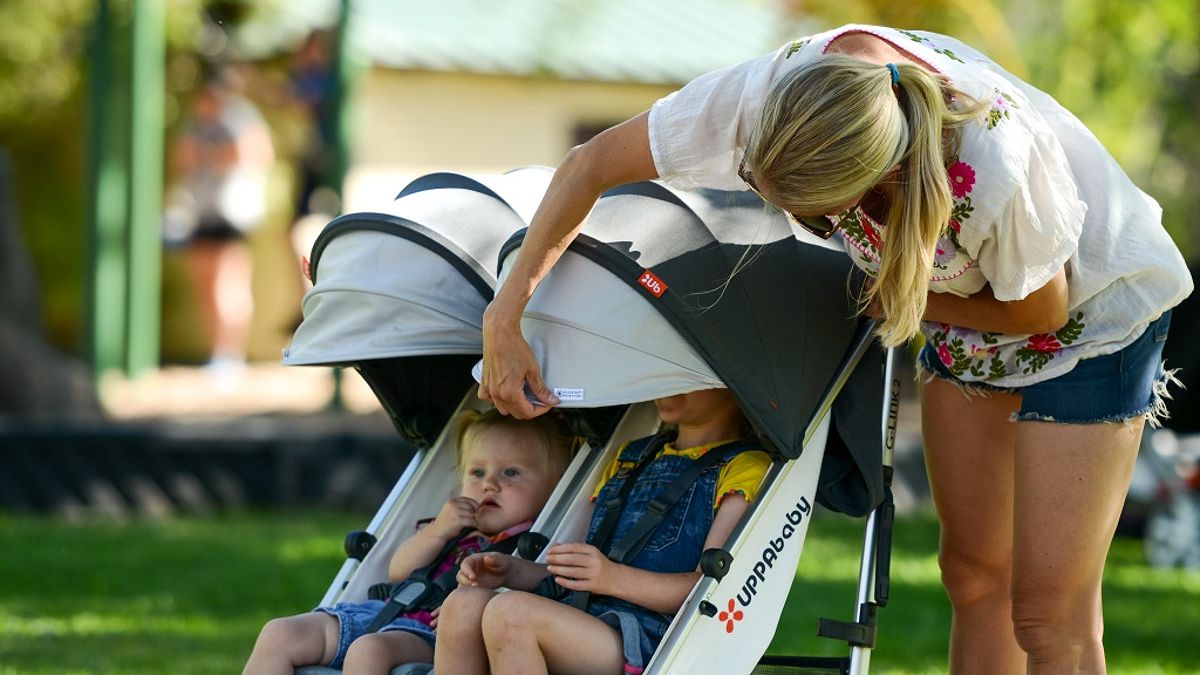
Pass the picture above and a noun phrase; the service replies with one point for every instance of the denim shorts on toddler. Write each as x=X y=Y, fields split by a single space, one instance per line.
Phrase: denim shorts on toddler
x=1117 y=387
x=354 y=618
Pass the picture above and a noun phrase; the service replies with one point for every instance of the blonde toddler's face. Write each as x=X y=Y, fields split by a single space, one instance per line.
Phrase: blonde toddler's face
x=506 y=473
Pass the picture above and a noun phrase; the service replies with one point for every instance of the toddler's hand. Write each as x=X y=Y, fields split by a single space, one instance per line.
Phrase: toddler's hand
x=433 y=617
x=581 y=567
x=489 y=570
x=456 y=514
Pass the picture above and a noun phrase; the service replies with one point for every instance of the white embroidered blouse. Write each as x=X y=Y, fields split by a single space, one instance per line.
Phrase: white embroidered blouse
x=1033 y=191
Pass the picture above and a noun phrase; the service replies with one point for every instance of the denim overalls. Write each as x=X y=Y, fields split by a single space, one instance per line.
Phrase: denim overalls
x=675 y=546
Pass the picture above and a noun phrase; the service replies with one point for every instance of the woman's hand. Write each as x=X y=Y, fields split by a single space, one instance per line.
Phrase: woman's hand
x=488 y=570
x=456 y=515
x=582 y=567
x=509 y=369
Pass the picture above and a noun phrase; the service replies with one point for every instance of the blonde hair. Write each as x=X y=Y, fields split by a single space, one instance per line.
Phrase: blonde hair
x=548 y=432
x=833 y=129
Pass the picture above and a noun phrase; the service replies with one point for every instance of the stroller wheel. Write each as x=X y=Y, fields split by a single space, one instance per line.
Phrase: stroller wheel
x=1173 y=533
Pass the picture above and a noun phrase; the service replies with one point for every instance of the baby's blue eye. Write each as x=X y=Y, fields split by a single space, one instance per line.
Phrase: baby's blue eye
x=510 y=472
x=477 y=473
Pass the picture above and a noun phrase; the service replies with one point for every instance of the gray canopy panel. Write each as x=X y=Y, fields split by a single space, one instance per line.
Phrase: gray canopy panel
x=667 y=291
x=412 y=280
x=399 y=294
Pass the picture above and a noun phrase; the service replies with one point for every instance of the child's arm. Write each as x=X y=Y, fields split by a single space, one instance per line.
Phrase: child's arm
x=581 y=567
x=493 y=570
x=421 y=548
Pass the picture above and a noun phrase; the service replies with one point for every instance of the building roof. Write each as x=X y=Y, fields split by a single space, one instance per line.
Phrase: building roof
x=649 y=41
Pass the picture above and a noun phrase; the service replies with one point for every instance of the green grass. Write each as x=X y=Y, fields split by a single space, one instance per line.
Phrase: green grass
x=189 y=595
x=1151 y=616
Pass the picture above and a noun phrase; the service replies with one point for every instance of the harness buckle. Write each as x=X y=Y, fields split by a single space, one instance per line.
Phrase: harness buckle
x=412 y=593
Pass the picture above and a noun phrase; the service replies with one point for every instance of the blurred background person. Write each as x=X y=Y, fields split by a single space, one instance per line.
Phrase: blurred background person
x=220 y=165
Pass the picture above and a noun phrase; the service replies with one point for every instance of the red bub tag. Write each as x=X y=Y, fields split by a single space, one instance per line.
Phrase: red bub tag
x=650 y=281
x=306 y=268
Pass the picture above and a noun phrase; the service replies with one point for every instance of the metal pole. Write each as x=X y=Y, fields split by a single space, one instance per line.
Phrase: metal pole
x=108 y=200
x=146 y=185
x=860 y=657
x=341 y=149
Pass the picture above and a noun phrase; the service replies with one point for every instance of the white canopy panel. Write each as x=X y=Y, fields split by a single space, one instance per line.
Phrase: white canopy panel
x=381 y=296
x=599 y=343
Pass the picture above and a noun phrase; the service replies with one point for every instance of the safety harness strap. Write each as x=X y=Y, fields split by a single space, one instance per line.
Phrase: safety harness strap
x=613 y=505
x=421 y=591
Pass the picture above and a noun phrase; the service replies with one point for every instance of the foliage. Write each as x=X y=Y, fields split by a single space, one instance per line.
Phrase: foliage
x=43 y=124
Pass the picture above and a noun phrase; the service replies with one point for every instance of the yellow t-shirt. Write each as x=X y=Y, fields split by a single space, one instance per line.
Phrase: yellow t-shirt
x=741 y=475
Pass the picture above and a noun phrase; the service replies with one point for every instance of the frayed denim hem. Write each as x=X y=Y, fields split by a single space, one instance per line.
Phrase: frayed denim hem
x=968 y=389
x=1154 y=414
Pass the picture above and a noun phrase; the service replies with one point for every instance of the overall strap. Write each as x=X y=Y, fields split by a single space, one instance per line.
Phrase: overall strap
x=636 y=538
x=613 y=506
x=419 y=589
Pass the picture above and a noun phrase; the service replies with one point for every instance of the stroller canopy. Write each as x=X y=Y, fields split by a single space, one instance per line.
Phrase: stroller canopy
x=400 y=294
x=666 y=292
x=414 y=280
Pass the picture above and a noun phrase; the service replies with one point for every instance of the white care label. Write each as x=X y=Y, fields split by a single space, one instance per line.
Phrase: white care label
x=568 y=394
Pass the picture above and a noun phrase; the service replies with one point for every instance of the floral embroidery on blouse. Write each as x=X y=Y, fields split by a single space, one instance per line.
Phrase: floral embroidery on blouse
x=851 y=226
x=1001 y=103
x=960 y=357
x=961 y=353
x=929 y=43
x=962 y=181
x=865 y=235
x=1043 y=347
x=795 y=47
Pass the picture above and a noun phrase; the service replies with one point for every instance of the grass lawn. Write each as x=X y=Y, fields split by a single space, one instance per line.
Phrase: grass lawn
x=189 y=595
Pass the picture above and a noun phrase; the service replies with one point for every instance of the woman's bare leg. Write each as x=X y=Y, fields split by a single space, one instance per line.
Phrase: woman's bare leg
x=378 y=653
x=527 y=634
x=969 y=453
x=290 y=642
x=460 y=649
x=1071 y=482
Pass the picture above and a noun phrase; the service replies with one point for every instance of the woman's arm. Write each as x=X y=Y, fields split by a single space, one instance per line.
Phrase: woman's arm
x=616 y=156
x=582 y=567
x=1042 y=311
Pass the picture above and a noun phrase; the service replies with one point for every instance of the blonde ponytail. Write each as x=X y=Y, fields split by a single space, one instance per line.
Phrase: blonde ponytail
x=832 y=130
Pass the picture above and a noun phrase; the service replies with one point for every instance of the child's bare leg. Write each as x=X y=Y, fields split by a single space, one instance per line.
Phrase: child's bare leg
x=286 y=643
x=378 y=653
x=529 y=634
x=460 y=647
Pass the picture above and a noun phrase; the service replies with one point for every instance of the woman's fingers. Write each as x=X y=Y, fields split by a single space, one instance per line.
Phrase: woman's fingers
x=512 y=380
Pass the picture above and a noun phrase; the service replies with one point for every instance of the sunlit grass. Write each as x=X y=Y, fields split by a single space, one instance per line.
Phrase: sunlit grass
x=189 y=595
x=1151 y=616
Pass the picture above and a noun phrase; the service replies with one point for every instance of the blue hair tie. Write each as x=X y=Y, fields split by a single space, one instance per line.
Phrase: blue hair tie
x=895 y=73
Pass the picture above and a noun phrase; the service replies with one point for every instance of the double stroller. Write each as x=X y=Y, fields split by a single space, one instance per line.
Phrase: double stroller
x=664 y=292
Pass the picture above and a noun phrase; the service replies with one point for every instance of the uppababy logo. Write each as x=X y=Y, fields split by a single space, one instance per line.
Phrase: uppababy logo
x=730 y=617
x=770 y=556
x=650 y=281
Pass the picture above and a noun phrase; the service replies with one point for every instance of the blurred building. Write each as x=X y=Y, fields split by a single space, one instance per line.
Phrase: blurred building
x=484 y=86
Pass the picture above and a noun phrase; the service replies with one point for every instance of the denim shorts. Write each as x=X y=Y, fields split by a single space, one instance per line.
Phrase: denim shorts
x=354 y=618
x=1117 y=387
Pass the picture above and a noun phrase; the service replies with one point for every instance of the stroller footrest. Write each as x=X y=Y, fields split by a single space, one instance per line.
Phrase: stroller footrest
x=857 y=633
